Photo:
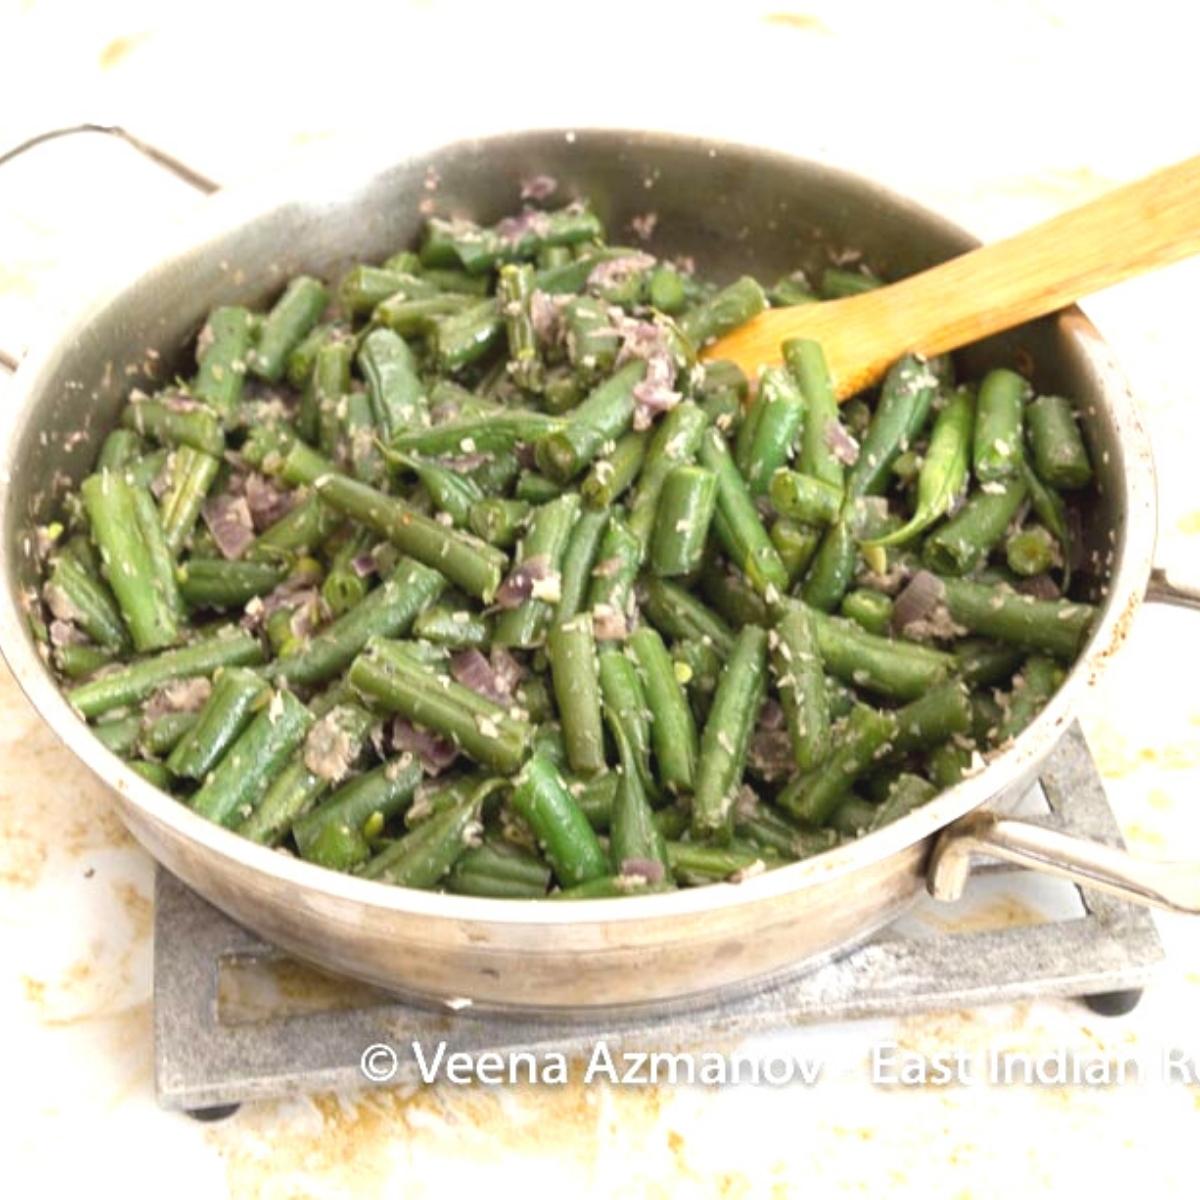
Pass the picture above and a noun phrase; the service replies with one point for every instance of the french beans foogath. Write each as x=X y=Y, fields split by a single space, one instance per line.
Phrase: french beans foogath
x=463 y=572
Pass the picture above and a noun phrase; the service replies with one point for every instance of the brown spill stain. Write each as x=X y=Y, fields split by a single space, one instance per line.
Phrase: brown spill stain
x=71 y=813
x=257 y=989
x=139 y=909
x=794 y=20
x=1001 y=912
x=354 y=1151
x=1189 y=522
x=120 y=48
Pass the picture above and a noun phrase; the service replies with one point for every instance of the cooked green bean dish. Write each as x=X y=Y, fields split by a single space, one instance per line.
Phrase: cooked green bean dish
x=466 y=574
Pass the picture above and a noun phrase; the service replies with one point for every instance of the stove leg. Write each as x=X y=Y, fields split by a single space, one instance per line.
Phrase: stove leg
x=1114 y=1004
x=217 y=1112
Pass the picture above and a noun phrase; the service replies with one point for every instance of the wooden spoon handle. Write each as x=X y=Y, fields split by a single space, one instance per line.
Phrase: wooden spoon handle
x=1126 y=231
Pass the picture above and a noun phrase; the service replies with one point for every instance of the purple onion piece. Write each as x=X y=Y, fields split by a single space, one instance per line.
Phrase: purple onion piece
x=615 y=271
x=228 y=519
x=518 y=587
x=839 y=442
x=267 y=502
x=1040 y=587
x=649 y=869
x=435 y=753
x=921 y=595
x=538 y=187
x=64 y=633
x=363 y=565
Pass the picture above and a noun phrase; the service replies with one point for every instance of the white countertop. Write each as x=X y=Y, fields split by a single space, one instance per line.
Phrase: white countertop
x=998 y=114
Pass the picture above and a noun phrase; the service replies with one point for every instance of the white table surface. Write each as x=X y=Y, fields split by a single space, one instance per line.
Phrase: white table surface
x=998 y=114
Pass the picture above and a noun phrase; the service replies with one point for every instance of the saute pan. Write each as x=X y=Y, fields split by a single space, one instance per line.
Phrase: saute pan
x=734 y=208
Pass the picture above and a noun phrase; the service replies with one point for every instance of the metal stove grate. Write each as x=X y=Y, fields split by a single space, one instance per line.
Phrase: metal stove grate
x=208 y=1058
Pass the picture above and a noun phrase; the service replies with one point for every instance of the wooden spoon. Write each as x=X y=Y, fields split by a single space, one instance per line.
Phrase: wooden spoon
x=1127 y=231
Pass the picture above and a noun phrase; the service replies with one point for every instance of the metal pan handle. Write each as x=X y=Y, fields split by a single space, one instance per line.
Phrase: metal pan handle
x=160 y=158
x=1171 y=885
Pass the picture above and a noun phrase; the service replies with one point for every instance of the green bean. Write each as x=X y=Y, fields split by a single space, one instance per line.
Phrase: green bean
x=685 y=511
x=837 y=283
x=543 y=801
x=1059 y=455
x=485 y=433
x=608 y=887
x=457 y=629
x=463 y=338
x=870 y=609
x=241 y=778
x=303 y=357
x=806 y=361
x=696 y=864
x=397 y=395
x=573 y=276
x=721 y=392
x=301 y=529
x=1031 y=551
x=222 y=352
x=120 y=448
x=766 y=827
x=674 y=443
x=947 y=764
x=332 y=833
x=805 y=499
x=980 y=662
x=536 y=489
x=195 y=427
x=679 y=614
x=76 y=594
x=1048 y=506
x=479 y=728
x=604 y=416
x=78 y=660
x=571 y=649
x=635 y=842
x=297 y=788
x=832 y=568
x=945 y=470
x=498 y=521
x=942 y=712
x=908 y=792
x=418 y=317
x=613 y=475
x=997 y=449
x=628 y=715
x=500 y=870
x=237 y=694
x=294 y=314
x=905 y=401
x=578 y=561
x=149 y=603
x=767 y=440
x=725 y=742
x=563 y=389
x=153 y=773
x=611 y=595
x=119 y=735
x=388 y=611
x=452 y=492
x=473 y=566
x=796 y=545
x=192 y=473
x=800 y=678
x=344 y=585
x=220 y=583
x=854 y=816
x=544 y=544
x=363 y=288
x=144 y=471
x=723 y=313
x=137 y=680
x=1056 y=627
x=514 y=288
x=730 y=594
x=896 y=670
x=672 y=728
x=964 y=542
x=459 y=243
x=426 y=855
x=739 y=527
x=1033 y=687
x=814 y=797
x=158 y=737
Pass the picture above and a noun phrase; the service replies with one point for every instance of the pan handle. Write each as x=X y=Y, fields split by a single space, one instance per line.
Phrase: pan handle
x=1160 y=590
x=160 y=158
x=1171 y=885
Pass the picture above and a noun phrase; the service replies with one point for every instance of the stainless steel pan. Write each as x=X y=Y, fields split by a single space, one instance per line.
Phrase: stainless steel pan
x=734 y=208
